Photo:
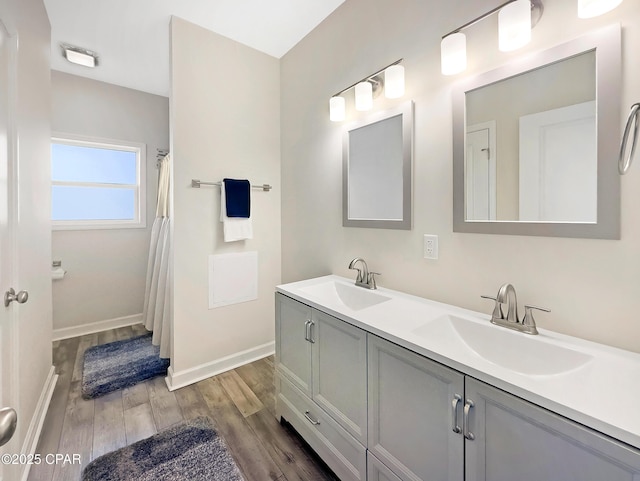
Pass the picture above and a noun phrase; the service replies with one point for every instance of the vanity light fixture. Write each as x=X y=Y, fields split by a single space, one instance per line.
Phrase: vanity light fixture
x=336 y=109
x=515 y=20
x=514 y=25
x=364 y=95
x=454 y=53
x=390 y=79
x=593 y=8
x=394 y=82
x=79 y=55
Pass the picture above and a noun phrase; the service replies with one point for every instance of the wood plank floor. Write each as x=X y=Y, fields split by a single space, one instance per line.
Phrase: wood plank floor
x=239 y=402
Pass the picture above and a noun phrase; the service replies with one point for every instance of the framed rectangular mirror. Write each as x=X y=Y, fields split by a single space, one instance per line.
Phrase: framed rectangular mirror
x=376 y=178
x=535 y=143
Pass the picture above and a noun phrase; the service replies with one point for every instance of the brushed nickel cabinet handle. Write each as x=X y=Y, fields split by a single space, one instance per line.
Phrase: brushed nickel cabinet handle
x=467 y=407
x=454 y=413
x=311 y=339
x=306 y=330
x=310 y=419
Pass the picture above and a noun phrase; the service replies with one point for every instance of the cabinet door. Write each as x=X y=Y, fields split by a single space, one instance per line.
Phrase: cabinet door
x=293 y=350
x=517 y=440
x=340 y=372
x=411 y=416
x=377 y=471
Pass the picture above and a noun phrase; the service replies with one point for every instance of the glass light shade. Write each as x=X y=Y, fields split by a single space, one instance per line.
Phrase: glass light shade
x=80 y=58
x=394 y=82
x=453 y=53
x=514 y=25
x=593 y=8
x=336 y=109
x=364 y=96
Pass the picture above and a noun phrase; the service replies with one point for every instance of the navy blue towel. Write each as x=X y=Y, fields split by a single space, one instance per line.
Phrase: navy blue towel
x=238 y=197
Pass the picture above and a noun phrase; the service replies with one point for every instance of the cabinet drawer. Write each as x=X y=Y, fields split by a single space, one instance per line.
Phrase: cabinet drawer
x=342 y=453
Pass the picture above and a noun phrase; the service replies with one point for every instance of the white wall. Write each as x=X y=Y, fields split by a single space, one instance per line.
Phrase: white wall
x=106 y=268
x=225 y=122
x=591 y=286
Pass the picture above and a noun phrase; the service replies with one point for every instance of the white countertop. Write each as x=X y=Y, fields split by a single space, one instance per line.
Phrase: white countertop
x=603 y=394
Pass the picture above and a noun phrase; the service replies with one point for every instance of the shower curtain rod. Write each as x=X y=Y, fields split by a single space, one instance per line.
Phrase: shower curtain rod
x=195 y=183
x=160 y=154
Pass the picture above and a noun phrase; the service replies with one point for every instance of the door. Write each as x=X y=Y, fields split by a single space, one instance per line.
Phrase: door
x=25 y=220
x=377 y=471
x=480 y=172
x=293 y=346
x=339 y=363
x=559 y=165
x=415 y=421
x=7 y=315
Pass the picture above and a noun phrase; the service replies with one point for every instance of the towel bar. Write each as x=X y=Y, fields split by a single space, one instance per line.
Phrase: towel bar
x=195 y=183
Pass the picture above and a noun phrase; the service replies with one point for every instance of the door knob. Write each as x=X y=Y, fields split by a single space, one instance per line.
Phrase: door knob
x=10 y=296
x=8 y=422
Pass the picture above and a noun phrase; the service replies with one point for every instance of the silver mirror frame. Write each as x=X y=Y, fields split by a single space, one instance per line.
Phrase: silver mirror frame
x=406 y=109
x=607 y=44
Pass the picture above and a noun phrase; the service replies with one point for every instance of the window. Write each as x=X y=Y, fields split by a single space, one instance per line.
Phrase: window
x=97 y=184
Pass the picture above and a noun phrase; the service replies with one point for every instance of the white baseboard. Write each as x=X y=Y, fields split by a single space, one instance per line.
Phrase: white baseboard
x=35 y=426
x=75 y=331
x=176 y=380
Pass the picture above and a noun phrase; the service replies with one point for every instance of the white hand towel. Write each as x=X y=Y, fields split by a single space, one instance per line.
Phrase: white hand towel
x=235 y=228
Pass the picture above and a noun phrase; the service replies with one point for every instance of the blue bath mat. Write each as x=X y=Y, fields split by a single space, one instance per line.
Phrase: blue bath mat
x=120 y=364
x=191 y=451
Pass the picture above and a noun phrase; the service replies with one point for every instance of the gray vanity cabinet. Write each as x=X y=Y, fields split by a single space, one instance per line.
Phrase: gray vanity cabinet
x=517 y=440
x=411 y=414
x=321 y=384
x=375 y=411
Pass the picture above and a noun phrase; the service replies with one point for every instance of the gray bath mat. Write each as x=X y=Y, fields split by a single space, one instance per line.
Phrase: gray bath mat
x=190 y=451
x=120 y=364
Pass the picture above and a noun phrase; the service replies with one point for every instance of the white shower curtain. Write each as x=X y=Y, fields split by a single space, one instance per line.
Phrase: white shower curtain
x=156 y=314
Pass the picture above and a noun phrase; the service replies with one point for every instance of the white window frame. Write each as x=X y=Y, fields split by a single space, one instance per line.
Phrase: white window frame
x=140 y=149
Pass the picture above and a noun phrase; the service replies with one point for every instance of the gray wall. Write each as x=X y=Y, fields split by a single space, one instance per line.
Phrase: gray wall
x=106 y=268
x=591 y=286
x=225 y=122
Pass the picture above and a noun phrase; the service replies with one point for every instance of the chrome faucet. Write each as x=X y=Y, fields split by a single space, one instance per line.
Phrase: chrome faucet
x=507 y=295
x=364 y=278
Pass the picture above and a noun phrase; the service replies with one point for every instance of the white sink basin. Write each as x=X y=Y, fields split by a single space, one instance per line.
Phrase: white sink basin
x=351 y=296
x=519 y=352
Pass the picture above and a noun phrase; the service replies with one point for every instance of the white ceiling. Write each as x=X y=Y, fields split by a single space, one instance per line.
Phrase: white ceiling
x=131 y=37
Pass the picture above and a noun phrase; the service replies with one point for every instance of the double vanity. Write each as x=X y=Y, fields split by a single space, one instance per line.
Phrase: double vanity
x=386 y=386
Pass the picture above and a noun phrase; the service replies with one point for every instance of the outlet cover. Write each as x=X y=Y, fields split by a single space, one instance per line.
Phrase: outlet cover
x=430 y=246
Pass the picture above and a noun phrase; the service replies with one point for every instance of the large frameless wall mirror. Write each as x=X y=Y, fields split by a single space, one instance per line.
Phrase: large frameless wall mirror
x=535 y=143
x=377 y=157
